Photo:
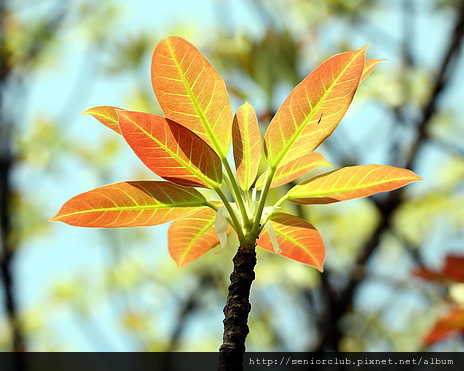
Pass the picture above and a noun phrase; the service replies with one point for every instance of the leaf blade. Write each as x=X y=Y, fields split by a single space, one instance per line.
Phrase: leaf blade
x=106 y=115
x=453 y=270
x=298 y=240
x=171 y=150
x=370 y=66
x=130 y=204
x=294 y=169
x=192 y=93
x=246 y=139
x=191 y=237
x=446 y=326
x=349 y=183
x=314 y=108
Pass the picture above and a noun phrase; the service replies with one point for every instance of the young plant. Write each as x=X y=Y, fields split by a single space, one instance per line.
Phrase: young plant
x=189 y=147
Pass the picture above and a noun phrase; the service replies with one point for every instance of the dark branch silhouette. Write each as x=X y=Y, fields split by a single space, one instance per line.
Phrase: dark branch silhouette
x=8 y=79
x=338 y=304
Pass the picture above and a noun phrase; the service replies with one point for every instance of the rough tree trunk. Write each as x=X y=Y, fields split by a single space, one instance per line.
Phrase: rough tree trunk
x=237 y=309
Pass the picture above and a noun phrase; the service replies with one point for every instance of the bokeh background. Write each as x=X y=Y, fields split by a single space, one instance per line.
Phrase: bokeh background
x=70 y=289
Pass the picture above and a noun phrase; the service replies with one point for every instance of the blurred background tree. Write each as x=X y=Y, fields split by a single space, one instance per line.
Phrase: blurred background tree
x=66 y=288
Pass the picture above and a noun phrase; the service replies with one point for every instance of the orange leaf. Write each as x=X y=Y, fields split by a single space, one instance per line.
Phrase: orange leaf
x=350 y=182
x=314 y=108
x=452 y=323
x=297 y=239
x=192 y=236
x=294 y=169
x=130 y=204
x=106 y=115
x=171 y=150
x=369 y=67
x=453 y=270
x=247 y=145
x=430 y=275
x=191 y=92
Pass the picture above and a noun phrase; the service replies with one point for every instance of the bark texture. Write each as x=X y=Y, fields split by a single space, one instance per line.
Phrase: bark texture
x=237 y=309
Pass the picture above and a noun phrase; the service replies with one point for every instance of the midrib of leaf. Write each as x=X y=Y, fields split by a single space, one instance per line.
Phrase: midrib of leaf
x=194 y=240
x=139 y=207
x=312 y=112
x=296 y=242
x=195 y=103
x=106 y=117
x=293 y=171
x=216 y=145
x=247 y=151
x=187 y=165
x=354 y=188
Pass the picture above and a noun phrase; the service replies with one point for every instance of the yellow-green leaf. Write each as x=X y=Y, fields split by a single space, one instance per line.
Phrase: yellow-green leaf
x=130 y=204
x=191 y=92
x=314 y=108
x=350 y=182
x=294 y=169
x=247 y=145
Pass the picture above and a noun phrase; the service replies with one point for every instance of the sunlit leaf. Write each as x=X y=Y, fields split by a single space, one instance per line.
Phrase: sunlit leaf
x=451 y=324
x=171 y=150
x=350 y=182
x=191 y=92
x=130 y=204
x=106 y=115
x=247 y=145
x=314 y=108
x=297 y=239
x=192 y=236
x=369 y=67
x=294 y=169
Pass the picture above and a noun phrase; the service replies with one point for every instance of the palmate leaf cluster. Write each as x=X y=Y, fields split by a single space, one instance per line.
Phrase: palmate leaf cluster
x=189 y=147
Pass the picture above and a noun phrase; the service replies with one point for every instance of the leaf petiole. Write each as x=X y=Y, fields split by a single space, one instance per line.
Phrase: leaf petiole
x=232 y=183
x=262 y=201
x=215 y=208
x=281 y=200
x=276 y=205
x=235 y=222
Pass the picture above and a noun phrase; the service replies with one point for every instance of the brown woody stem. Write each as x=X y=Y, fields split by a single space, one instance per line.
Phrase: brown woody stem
x=237 y=309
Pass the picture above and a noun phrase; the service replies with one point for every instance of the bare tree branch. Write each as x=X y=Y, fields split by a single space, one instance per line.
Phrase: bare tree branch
x=342 y=303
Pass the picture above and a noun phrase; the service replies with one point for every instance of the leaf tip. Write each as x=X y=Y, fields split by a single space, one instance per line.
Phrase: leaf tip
x=120 y=112
x=415 y=177
x=56 y=218
x=319 y=263
x=246 y=104
x=97 y=110
x=327 y=164
x=179 y=264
